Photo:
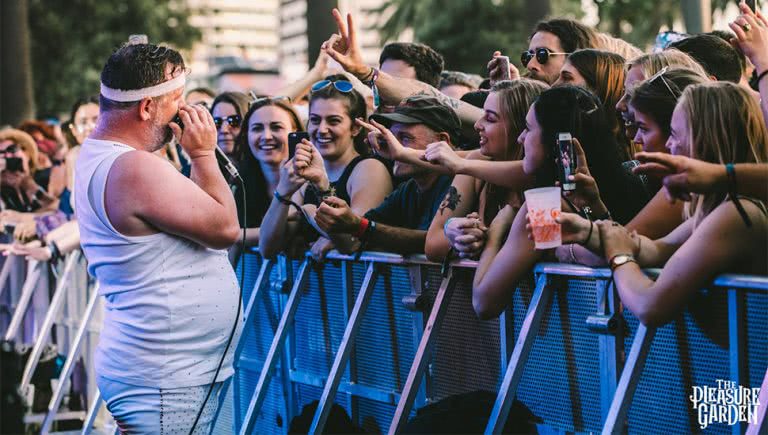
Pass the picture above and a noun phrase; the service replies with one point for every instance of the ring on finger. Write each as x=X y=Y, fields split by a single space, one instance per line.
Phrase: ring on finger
x=747 y=27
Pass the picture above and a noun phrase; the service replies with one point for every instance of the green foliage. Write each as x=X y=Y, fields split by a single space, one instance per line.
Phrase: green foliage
x=466 y=33
x=72 y=39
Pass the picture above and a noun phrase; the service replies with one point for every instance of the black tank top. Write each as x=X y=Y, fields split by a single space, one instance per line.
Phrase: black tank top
x=339 y=185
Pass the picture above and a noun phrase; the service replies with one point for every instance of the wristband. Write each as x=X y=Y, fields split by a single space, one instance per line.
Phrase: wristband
x=589 y=235
x=445 y=226
x=281 y=198
x=370 y=230
x=362 y=228
x=733 y=190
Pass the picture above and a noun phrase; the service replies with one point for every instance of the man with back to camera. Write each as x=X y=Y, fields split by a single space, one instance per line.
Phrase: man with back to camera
x=155 y=240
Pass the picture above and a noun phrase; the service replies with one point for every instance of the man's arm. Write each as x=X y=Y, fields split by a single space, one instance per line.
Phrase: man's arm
x=397 y=239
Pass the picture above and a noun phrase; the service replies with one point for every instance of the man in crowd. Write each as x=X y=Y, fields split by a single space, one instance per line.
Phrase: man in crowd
x=551 y=43
x=719 y=59
x=401 y=222
x=412 y=60
x=155 y=240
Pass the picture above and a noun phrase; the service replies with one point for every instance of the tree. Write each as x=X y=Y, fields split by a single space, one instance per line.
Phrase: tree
x=71 y=41
x=15 y=70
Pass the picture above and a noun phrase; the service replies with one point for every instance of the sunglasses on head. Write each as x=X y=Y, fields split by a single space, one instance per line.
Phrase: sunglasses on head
x=660 y=75
x=340 y=85
x=232 y=120
x=258 y=100
x=542 y=55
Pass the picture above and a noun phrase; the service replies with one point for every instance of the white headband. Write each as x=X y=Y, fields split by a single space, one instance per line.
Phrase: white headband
x=138 y=94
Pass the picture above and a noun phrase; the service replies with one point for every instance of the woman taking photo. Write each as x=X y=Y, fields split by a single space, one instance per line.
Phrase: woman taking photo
x=334 y=162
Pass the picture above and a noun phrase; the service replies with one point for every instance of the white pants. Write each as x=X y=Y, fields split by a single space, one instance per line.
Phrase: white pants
x=146 y=410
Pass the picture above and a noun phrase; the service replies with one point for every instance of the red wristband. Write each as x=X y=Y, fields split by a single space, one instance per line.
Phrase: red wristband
x=362 y=228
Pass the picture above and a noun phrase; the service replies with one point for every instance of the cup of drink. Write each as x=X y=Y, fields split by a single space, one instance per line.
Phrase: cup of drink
x=543 y=208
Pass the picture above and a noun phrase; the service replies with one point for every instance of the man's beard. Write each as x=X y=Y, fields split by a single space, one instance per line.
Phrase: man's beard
x=162 y=135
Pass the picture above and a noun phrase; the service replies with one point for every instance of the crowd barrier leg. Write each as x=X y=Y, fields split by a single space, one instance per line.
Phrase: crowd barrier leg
x=34 y=270
x=630 y=377
x=610 y=340
x=58 y=394
x=93 y=411
x=344 y=351
x=262 y=386
x=423 y=353
x=5 y=272
x=264 y=271
x=737 y=345
x=761 y=427
x=53 y=310
x=520 y=353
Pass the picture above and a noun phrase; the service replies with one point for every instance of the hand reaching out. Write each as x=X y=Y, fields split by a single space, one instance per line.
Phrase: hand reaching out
x=344 y=49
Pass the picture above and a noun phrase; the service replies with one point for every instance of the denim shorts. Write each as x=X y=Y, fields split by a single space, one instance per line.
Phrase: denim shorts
x=146 y=410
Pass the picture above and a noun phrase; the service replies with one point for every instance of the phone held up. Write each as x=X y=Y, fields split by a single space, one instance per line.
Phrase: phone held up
x=294 y=138
x=566 y=160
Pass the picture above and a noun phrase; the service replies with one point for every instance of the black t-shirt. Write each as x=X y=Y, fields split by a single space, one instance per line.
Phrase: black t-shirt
x=406 y=207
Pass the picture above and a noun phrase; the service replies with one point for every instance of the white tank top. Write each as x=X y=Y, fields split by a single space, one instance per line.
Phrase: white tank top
x=170 y=302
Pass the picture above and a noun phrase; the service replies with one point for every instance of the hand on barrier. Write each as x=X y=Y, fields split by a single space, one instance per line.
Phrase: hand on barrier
x=343 y=47
x=321 y=248
x=682 y=175
x=25 y=231
x=466 y=235
x=199 y=135
x=617 y=240
x=308 y=164
x=496 y=69
x=335 y=216
x=751 y=29
x=440 y=153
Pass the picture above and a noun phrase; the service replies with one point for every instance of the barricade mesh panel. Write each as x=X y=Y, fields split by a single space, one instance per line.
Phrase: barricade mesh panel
x=385 y=347
x=256 y=346
x=375 y=417
x=561 y=381
x=690 y=351
x=467 y=354
x=757 y=337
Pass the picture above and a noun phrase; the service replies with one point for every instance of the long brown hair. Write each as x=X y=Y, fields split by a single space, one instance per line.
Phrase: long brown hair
x=725 y=125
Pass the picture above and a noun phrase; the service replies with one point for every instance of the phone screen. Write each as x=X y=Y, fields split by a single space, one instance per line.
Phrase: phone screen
x=293 y=139
x=566 y=160
x=753 y=4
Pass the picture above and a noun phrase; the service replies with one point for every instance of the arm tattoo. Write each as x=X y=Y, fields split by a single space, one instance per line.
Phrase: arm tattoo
x=452 y=200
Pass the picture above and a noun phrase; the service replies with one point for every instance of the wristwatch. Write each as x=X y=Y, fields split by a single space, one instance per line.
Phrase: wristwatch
x=620 y=259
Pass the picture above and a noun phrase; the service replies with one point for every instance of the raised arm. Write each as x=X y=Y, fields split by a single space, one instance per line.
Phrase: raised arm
x=344 y=49
x=754 y=44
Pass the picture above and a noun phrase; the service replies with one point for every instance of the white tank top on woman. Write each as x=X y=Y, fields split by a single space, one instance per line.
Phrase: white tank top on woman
x=170 y=302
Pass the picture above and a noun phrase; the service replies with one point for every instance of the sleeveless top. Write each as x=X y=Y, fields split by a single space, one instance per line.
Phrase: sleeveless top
x=170 y=302
x=339 y=185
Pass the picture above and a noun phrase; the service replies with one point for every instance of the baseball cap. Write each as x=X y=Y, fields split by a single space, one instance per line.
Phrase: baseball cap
x=423 y=109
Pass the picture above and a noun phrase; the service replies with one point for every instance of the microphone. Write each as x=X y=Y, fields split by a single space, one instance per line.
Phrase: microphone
x=227 y=164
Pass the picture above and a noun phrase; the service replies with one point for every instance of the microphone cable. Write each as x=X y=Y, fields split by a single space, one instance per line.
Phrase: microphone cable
x=240 y=181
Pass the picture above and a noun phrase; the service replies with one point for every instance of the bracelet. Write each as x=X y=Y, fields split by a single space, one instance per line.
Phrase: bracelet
x=322 y=194
x=370 y=230
x=281 y=198
x=589 y=235
x=733 y=190
x=362 y=228
x=761 y=75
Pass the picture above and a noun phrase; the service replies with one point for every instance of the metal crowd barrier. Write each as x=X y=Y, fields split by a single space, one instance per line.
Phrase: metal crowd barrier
x=342 y=338
x=32 y=317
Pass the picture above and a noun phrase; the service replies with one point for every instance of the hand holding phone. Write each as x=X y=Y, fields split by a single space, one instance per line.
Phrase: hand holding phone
x=293 y=139
x=566 y=160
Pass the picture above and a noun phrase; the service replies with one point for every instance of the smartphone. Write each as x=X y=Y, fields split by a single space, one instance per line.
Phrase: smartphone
x=14 y=164
x=504 y=67
x=566 y=160
x=294 y=138
x=753 y=4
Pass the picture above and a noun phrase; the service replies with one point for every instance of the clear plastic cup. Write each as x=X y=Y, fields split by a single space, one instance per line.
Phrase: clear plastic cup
x=543 y=208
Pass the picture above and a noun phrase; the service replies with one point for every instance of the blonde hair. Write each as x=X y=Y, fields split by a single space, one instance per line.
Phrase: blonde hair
x=725 y=125
x=26 y=142
x=619 y=46
x=672 y=58
x=515 y=98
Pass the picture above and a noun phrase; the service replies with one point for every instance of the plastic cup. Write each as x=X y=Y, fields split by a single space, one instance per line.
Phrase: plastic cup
x=543 y=208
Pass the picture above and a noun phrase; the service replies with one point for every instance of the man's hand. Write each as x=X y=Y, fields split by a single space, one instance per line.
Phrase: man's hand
x=344 y=49
x=335 y=216
x=682 y=175
x=199 y=135
x=440 y=153
x=496 y=72
x=321 y=248
x=308 y=164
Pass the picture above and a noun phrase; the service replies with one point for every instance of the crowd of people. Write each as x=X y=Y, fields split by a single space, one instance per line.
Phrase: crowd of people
x=671 y=170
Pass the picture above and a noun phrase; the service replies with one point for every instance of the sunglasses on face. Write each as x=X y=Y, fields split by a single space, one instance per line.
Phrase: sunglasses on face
x=340 y=85
x=232 y=120
x=542 y=55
